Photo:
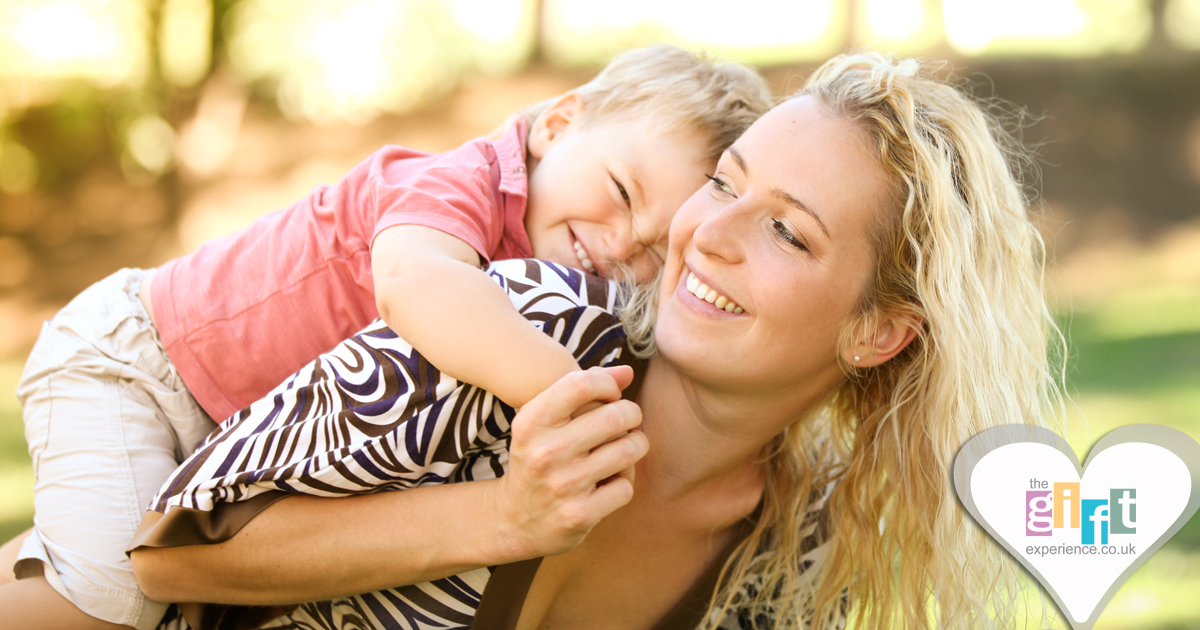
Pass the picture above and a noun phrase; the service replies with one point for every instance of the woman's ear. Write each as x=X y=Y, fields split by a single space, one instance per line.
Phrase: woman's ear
x=553 y=122
x=883 y=340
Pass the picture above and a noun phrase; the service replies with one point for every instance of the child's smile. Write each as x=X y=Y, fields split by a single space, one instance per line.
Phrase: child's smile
x=602 y=192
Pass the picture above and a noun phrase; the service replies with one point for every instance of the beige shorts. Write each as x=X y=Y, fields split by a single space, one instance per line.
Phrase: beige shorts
x=107 y=419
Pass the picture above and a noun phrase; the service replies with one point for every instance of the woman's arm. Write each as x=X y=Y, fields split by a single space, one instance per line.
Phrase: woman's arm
x=304 y=548
x=308 y=548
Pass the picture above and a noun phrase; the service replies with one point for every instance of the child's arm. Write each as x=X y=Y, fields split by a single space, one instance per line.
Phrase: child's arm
x=430 y=290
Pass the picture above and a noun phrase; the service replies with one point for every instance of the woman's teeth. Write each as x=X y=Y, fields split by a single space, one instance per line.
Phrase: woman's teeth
x=701 y=290
x=583 y=258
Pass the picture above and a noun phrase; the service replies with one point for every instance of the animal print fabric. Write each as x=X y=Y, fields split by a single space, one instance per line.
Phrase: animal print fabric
x=372 y=415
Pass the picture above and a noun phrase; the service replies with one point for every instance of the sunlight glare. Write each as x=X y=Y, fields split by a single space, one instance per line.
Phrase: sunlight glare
x=973 y=24
x=582 y=15
x=895 y=19
x=184 y=40
x=348 y=48
x=98 y=39
x=711 y=21
x=583 y=29
x=62 y=31
x=493 y=21
x=349 y=60
x=1182 y=22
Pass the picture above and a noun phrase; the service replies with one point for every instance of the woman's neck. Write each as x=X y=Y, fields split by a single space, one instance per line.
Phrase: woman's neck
x=705 y=441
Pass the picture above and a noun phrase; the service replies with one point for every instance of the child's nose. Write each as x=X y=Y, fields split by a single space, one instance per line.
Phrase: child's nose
x=619 y=245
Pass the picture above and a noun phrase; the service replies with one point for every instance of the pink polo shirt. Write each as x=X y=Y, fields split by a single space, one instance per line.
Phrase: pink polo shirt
x=243 y=312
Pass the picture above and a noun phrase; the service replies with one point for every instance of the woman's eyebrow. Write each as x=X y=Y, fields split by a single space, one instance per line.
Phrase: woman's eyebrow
x=784 y=196
x=781 y=194
x=737 y=157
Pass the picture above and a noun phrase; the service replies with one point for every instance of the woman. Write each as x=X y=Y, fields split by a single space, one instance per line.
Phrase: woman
x=879 y=248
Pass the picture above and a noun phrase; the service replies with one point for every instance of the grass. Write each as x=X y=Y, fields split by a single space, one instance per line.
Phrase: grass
x=16 y=470
x=1123 y=371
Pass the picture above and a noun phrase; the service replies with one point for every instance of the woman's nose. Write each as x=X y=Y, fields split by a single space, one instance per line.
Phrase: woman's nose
x=721 y=230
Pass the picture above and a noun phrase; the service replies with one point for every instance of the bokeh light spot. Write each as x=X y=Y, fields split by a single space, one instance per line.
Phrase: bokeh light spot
x=18 y=168
x=494 y=21
x=97 y=39
x=151 y=143
x=1054 y=27
x=185 y=40
x=895 y=19
x=1181 y=18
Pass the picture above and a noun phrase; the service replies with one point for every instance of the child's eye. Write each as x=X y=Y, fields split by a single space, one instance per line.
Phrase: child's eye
x=785 y=235
x=719 y=184
x=621 y=189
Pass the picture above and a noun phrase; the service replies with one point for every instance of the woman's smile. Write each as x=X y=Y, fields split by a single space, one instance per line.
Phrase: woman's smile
x=702 y=295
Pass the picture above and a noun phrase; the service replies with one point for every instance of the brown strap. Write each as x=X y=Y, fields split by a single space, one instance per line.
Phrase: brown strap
x=504 y=595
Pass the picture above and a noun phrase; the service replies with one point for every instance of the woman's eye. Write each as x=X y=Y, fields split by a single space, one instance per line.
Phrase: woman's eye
x=719 y=184
x=784 y=234
x=621 y=189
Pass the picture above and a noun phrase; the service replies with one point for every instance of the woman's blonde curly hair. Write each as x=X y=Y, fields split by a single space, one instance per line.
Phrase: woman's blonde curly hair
x=956 y=250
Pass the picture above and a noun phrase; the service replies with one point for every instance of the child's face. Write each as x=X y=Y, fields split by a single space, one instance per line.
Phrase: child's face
x=605 y=192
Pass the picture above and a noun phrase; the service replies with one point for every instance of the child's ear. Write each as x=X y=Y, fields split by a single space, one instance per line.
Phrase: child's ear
x=553 y=122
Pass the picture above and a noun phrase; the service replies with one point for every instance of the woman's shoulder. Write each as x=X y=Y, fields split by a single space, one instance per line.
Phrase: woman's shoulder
x=576 y=309
x=541 y=284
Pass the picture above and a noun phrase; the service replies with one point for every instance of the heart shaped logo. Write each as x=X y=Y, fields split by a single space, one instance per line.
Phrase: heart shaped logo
x=1081 y=531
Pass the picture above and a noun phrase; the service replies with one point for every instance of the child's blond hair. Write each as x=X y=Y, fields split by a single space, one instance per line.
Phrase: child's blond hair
x=684 y=90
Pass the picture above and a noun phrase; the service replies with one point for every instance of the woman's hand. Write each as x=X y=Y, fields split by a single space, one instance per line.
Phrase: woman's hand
x=571 y=462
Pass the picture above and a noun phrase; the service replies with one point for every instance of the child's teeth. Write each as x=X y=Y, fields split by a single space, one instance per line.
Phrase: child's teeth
x=702 y=291
x=583 y=258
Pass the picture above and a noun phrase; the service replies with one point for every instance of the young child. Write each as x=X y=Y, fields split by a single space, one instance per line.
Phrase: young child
x=123 y=382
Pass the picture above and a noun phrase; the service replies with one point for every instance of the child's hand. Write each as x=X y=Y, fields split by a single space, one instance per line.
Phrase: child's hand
x=570 y=463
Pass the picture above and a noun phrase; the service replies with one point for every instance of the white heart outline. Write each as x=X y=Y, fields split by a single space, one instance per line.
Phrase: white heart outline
x=1178 y=442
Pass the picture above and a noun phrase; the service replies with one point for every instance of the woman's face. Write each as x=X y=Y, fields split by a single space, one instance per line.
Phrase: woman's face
x=782 y=231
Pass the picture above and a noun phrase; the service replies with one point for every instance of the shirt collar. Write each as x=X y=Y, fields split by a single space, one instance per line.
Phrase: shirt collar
x=510 y=151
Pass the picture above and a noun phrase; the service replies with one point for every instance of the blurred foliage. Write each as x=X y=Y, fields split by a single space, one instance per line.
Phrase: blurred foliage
x=115 y=113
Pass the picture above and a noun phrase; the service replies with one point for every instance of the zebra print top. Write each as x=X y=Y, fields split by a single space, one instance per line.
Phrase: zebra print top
x=369 y=416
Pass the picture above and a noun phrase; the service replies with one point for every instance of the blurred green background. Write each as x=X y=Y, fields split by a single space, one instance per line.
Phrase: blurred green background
x=133 y=130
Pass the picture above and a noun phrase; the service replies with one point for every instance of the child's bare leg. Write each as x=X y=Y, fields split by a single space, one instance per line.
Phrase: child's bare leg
x=32 y=604
x=8 y=557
